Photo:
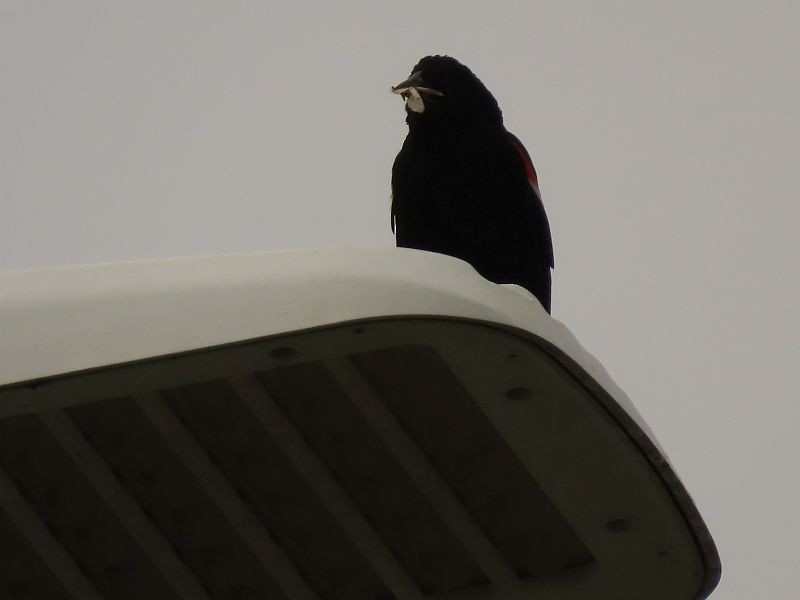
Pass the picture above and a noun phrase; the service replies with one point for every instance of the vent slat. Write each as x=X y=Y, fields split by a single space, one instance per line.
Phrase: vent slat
x=240 y=517
x=465 y=448
x=127 y=510
x=275 y=491
x=292 y=444
x=402 y=446
x=374 y=479
x=55 y=556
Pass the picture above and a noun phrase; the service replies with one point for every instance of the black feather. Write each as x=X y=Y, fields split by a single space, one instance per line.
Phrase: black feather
x=460 y=186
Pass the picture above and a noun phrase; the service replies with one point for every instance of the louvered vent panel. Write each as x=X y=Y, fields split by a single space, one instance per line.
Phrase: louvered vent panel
x=346 y=464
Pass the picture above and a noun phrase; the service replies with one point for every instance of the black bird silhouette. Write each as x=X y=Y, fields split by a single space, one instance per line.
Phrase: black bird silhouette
x=463 y=185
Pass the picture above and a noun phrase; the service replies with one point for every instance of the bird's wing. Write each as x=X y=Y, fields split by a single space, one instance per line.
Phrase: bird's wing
x=537 y=208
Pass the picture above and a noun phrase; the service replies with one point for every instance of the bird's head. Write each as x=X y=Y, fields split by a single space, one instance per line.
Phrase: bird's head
x=442 y=90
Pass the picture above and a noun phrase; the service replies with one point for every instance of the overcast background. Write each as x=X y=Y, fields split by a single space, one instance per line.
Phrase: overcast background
x=665 y=135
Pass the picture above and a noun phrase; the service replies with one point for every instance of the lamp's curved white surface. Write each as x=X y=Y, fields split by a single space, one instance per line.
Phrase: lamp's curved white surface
x=160 y=340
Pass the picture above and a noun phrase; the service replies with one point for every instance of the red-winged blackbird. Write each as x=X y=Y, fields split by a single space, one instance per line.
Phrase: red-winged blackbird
x=462 y=185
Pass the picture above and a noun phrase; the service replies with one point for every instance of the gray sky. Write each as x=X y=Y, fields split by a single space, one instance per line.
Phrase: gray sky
x=665 y=135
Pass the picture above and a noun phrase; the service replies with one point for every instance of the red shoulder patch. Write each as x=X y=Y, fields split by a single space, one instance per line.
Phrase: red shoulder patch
x=526 y=158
